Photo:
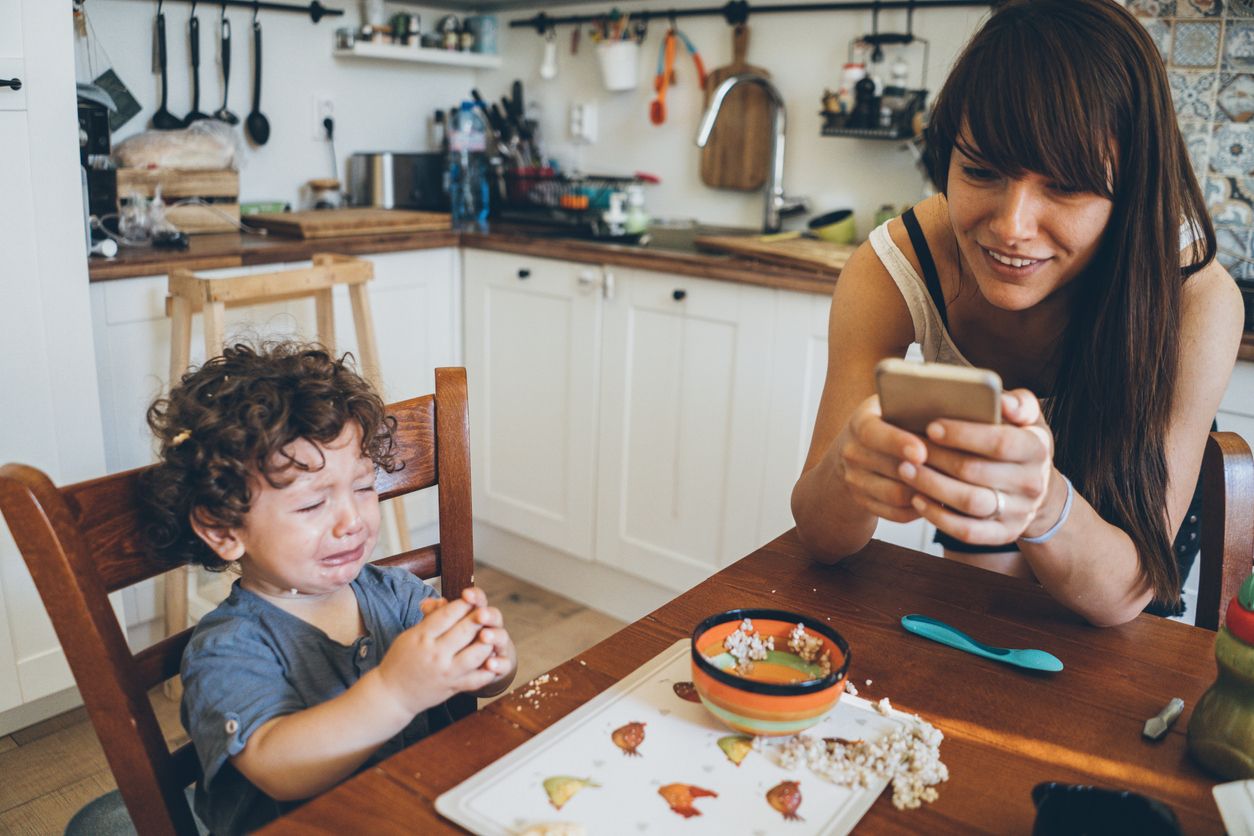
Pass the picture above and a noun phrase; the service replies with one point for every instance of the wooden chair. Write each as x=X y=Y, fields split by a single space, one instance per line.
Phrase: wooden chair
x=1227 y=525
x=82 y=542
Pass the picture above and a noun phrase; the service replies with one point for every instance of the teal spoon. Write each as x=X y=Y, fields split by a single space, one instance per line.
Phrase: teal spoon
x=939 y=631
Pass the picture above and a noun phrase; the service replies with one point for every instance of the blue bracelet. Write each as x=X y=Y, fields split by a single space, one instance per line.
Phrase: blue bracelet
x=1062 y=518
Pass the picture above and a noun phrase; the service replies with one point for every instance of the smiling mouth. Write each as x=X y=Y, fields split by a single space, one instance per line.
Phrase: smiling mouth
x=1012 y=261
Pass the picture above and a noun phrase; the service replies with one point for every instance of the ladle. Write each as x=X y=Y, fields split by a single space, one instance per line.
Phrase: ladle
x=163 y=119
x=939 y=631
x=256 y=124
x=193 y=36
x=222 y=113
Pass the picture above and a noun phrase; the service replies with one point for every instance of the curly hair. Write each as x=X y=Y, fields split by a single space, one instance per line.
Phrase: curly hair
x=232 y=420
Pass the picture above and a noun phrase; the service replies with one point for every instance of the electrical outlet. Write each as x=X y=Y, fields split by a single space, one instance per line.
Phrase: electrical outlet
x=583 y=122
x=323 y=108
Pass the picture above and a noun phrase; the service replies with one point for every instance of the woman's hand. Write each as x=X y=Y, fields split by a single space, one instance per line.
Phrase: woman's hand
x=986 y=484
x=871 y=452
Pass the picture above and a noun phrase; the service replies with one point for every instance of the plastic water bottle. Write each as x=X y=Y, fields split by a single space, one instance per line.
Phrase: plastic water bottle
x=468 y=180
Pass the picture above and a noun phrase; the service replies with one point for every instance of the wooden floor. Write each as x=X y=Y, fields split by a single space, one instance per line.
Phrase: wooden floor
x=50 y=770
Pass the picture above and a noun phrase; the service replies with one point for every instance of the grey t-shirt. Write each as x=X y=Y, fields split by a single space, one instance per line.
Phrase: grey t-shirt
x=249 y=661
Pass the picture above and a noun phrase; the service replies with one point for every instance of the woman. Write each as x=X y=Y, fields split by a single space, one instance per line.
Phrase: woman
x=1070 y=251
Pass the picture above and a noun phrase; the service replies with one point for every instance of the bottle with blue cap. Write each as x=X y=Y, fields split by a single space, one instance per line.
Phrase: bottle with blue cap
x=467 y=180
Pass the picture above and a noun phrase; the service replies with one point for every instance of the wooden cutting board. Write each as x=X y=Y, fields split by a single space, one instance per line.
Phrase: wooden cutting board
x=738 y=153
x=333 y=223
x=789 y=251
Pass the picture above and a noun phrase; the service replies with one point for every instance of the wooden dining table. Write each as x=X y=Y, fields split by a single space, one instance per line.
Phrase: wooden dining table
x=1006 y=729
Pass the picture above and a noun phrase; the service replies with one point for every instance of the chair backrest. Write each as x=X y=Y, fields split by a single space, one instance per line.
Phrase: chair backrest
x=1227 y=525
x=82 y=542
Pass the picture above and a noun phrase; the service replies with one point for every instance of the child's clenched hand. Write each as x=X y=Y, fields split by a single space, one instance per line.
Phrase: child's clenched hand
x=504 y=659
x=438 y=657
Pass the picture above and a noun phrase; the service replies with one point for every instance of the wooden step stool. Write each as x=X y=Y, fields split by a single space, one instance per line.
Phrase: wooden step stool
x=189 y=293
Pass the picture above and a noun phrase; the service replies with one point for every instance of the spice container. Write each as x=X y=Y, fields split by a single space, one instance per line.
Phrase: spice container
x=1221 y=730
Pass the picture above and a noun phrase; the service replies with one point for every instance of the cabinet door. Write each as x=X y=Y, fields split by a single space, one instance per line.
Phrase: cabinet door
x=799 y=370
x=533 y=329
x=683 y=415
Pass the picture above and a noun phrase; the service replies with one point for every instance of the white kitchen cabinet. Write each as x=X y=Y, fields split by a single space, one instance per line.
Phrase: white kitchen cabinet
x=533 y=348
x=50 y=414
x=683 y=417
x=800 y=368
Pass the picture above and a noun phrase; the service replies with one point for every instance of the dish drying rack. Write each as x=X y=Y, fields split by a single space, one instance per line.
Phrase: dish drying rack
x=573 y=202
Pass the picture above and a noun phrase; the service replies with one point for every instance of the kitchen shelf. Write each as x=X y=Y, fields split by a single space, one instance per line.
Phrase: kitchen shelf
x=400 y=52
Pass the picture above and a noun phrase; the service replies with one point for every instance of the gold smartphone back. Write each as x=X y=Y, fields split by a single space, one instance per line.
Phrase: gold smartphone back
x=914 y=394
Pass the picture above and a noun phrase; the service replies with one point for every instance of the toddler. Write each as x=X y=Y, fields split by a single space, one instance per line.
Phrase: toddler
x=318 y=663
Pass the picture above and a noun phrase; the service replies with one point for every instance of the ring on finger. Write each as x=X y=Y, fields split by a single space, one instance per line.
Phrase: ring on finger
x=1001 y=505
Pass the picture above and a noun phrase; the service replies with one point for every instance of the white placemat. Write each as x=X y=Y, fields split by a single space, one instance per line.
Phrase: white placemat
x=680 y=746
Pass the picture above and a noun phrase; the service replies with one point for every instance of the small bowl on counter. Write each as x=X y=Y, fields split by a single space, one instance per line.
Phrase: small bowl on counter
x=778 y=696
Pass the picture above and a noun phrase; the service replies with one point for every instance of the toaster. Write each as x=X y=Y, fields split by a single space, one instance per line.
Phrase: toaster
x=398 y=180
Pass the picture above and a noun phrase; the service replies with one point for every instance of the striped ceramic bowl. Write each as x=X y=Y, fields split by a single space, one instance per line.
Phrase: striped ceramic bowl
x=757 y=707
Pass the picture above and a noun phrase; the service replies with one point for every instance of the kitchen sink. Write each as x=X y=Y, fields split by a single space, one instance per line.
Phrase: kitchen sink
x=682 y=237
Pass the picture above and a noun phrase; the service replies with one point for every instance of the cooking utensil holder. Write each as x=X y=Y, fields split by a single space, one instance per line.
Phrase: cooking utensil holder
x=620 y=64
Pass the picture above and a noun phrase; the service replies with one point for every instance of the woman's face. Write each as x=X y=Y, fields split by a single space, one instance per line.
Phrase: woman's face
x=1022 y=239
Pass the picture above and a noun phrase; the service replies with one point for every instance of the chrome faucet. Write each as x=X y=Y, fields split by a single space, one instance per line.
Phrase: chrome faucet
x=777 y=205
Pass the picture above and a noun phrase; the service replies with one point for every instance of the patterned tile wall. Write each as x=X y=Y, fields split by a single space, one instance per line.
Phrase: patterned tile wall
x=1208 y=46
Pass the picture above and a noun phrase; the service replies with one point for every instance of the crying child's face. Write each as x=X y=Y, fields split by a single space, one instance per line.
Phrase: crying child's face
x=315 y=532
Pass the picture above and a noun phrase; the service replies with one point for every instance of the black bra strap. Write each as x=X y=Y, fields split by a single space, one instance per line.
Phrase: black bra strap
x=930 y=276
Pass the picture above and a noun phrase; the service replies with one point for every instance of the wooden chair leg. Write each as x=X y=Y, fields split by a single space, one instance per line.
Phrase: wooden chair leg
x=324 y=312
x=363 y=323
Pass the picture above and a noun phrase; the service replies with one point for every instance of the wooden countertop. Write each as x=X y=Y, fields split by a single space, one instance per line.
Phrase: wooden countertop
x=208 y=252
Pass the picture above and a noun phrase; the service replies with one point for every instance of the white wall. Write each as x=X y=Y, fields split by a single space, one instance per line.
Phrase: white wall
x=378 y=105
x=387 y=106
x=804 y=54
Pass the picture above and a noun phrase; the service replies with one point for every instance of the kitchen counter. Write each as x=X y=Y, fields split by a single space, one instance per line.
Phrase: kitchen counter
x=208 y=252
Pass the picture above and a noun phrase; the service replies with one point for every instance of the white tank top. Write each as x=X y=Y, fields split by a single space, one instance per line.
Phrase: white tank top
x=929 y=331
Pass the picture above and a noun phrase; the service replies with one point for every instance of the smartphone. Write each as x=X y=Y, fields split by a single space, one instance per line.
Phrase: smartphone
x=913 y=394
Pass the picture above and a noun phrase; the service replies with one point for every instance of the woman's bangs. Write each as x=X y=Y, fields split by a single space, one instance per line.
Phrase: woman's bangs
x=1015 y=122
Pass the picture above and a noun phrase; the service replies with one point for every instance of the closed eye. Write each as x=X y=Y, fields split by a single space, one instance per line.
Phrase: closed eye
x=315 y=506
x=366 y=488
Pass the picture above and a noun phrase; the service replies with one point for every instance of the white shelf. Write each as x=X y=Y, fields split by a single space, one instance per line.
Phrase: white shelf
x=399 y=52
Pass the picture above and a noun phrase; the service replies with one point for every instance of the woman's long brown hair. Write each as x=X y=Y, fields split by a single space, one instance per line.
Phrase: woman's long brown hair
x=1075 y=90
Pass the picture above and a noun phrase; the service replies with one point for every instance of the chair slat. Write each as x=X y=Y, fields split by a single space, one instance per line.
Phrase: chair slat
x=423 y=562
x=156 y=664
x=415 y=447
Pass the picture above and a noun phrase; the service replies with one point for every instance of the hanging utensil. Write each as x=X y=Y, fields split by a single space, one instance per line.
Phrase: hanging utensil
x=193 y=36
x=256 y=124
x=548 y=67
x=665 y=69
x=163 y=119
x=224 y=50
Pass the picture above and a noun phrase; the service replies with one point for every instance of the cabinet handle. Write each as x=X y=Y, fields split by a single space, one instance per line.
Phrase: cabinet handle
x=679 y=295
x=524 y=273
x=13 y=83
